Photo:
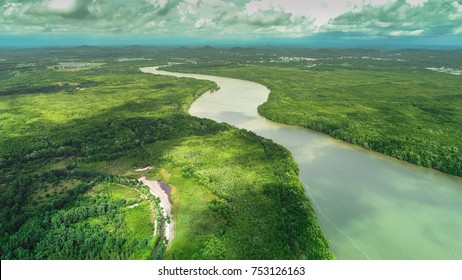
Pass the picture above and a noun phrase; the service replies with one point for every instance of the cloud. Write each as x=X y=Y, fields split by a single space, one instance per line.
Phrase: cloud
x=163 y=7
x=84 y=15
x=236 y=19
x=77 y=9
x=406 y=33
x=269 y=18
x=401 y=18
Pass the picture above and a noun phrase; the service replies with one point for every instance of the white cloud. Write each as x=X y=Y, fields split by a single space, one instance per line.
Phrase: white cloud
x=401 y=18
x=251 y=18
x=62 y=5
x=416 y=2
x=406 y=33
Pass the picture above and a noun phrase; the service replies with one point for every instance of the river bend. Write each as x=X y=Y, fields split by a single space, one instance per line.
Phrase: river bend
x=370 y=206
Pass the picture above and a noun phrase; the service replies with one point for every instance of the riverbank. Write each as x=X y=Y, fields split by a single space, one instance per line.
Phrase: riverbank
x=412 y=115
x=165 y=202
x=368 y=205
x=281 y=200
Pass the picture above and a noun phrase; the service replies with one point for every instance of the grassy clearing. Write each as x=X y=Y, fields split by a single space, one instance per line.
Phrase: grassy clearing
x=139 y=221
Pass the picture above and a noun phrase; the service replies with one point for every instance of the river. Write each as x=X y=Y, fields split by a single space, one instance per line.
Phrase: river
x=370 y=206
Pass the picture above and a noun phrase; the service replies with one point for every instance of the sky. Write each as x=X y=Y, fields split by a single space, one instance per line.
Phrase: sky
x=67 y=22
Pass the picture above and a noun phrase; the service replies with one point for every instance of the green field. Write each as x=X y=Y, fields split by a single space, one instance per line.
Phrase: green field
x=401 y=110
x=71 y=140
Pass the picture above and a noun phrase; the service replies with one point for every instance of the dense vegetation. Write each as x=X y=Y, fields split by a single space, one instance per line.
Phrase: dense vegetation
x=258 y=204
x=396 y=107
x=71 y=139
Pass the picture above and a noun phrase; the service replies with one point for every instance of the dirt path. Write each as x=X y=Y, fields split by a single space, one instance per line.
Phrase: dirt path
x=155 y=189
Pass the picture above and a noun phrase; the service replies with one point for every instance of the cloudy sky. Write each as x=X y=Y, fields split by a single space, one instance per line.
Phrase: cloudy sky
x=233 y=20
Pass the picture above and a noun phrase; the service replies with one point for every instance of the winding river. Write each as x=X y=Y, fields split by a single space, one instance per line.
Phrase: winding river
x=370 y=206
